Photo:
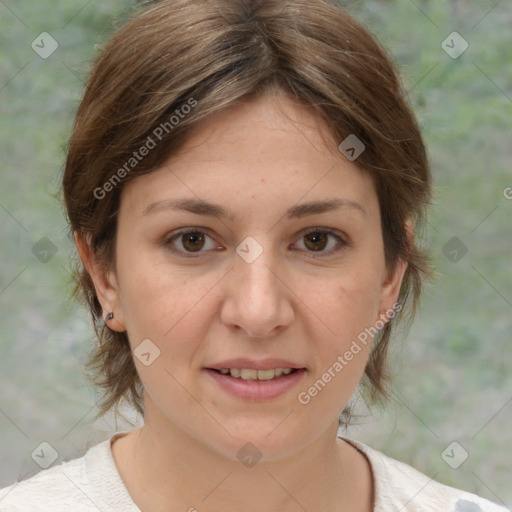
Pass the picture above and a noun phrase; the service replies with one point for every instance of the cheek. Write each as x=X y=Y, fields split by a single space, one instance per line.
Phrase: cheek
x=173 y=312
x=358 y=299
x=163 y=304
x=348 y=307
x=348 y=303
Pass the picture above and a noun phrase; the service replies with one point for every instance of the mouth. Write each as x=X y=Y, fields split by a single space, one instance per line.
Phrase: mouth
x=256 y=385
x=249 y=374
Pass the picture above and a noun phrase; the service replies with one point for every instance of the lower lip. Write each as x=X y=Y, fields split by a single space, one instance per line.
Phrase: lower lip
x=257 y=389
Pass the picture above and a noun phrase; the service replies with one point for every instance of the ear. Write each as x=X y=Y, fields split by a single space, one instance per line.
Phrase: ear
x=105 y=284
x=394 y=278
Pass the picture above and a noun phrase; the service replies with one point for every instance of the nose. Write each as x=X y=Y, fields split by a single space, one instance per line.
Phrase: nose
x=258 y=299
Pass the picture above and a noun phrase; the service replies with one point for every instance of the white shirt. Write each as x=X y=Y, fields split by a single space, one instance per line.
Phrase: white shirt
x=92 y=484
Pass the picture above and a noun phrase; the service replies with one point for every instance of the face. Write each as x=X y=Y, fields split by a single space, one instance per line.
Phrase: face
x=256 y=242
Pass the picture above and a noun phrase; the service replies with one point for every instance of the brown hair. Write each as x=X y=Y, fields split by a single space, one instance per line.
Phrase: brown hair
x=210 y=55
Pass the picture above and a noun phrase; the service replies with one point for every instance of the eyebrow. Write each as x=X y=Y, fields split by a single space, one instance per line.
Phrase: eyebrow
x=201 y=207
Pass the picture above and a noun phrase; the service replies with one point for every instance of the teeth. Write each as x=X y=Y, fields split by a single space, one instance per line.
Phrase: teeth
x=251 y=374
x=267 y=374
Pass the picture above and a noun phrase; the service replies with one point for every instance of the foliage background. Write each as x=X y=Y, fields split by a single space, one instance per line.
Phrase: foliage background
x=453 y=371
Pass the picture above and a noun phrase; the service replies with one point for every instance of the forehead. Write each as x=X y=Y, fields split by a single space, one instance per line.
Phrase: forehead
x=259 y=154
x=269 y=125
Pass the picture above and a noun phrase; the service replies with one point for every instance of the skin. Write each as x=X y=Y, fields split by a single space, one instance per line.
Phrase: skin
x=256 y=159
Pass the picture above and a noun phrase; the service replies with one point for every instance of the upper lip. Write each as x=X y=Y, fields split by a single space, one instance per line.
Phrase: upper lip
x=263 y=364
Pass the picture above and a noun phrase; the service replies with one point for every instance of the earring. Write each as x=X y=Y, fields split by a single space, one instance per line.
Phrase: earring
x=109 y=317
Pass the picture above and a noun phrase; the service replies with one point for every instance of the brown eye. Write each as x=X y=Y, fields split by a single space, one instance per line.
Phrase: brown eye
x=316 y=241
x=190 y=242
x=193 y=241
x=325 y=242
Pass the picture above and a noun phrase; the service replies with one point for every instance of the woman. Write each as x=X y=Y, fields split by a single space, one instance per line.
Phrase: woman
x=243 y=182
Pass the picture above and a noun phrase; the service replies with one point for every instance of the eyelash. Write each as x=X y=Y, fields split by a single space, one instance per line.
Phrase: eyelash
x=342 y=242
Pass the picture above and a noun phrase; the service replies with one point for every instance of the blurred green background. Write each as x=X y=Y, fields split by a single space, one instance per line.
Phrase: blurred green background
x=453 y=371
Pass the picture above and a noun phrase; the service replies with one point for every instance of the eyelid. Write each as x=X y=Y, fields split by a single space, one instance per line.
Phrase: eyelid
x=340 y=237
x=174 y=235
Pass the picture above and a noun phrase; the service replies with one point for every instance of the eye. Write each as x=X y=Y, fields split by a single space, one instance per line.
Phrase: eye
x=190 y=241
x=194 y=241
x=322 y=241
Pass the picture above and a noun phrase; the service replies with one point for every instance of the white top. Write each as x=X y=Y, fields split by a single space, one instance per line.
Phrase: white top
x=92 y=483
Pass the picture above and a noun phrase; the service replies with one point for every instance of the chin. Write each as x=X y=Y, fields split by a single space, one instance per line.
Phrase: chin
x=261 y=443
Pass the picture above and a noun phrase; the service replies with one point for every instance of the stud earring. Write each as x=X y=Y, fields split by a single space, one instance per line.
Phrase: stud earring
x=109 y=317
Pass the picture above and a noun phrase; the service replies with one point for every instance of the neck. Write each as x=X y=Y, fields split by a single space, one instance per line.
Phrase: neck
x=162 y=465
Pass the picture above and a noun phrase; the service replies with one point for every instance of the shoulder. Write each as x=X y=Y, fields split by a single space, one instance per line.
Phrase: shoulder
x=47 y=489
x=399 y=486
x=86 y=484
